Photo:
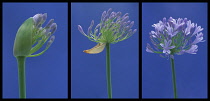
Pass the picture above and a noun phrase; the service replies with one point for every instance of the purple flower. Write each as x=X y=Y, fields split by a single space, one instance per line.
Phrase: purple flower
x=189 y=26
x=193 y=49
x=197 y=29
x=170 y=31
x=167 y=46
x=177 y=35
x=199 y=38
x=178 y=24
x=159 y=26
x=149 y=48
x=153 y=34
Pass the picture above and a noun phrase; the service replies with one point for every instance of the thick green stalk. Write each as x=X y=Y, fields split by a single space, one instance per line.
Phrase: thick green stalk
x=173 y=77
x=108 y=71
x=21 y=76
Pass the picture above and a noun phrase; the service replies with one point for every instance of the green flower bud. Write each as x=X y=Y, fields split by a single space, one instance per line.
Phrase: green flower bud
x=23 y=40
x=31 y=33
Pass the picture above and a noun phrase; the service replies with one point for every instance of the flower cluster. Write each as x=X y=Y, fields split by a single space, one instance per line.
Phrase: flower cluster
x=112 y=28
x=41 y=35
x=31 y=36
x=175 y=37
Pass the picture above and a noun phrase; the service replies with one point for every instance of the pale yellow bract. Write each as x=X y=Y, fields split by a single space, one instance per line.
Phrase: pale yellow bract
x=96 y=49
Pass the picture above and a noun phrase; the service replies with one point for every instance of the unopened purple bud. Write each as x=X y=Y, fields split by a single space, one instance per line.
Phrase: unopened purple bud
x=49 y=23
x=37 y=19
x=44 y=16
x=131 y=24
x=103 y=15
x=81 y=30
x=126 y=14
x=125 y=19
x=118 y=14
x=110 y=9
x=53 y=27
x=52 y=38
x=92 y=23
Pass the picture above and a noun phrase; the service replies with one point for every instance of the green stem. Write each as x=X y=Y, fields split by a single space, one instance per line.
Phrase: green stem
x=21 y=76
x=108 y=71
x=173 y=77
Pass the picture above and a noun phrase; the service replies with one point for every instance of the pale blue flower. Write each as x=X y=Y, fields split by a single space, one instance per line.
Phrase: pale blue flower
x=175 y=36
x=167 y=46
x=193 y=49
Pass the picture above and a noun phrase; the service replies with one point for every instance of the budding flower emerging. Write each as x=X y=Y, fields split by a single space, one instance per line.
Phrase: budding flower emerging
x=175 y=37
x=112 y=28
x=31 y=36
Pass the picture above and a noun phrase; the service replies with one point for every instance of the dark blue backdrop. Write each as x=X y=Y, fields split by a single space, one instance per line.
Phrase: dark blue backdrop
x=46 y=75
x=191 y=70
x=88 y=71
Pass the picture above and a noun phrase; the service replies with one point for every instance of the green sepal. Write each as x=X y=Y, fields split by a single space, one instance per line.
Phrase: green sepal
x=23 y=40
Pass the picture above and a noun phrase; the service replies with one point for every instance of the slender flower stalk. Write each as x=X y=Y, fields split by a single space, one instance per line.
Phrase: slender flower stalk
x=112 y=29
x=173 y=77
x=175 y=36
x=108 y=71
x=21 y=77
x=29 y=39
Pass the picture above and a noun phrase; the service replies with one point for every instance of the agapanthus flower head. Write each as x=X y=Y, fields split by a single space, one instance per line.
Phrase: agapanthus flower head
x=112 y=28
x=175 y=36
x=31 y=36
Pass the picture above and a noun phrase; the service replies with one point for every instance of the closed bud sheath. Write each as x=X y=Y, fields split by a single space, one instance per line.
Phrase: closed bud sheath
x=23 y=40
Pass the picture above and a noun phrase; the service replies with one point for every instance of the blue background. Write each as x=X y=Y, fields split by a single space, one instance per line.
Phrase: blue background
x=191 y=70
x=46 y=75
x=88 y=71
